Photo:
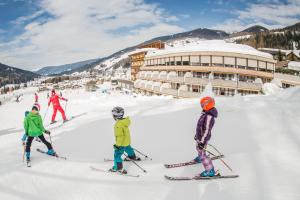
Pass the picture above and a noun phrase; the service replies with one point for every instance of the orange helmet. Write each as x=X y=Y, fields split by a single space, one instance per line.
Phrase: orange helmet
x=207 y=103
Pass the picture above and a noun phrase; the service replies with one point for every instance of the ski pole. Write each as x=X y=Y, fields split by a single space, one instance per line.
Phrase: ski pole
x=219 y=158
x=142 y=154
x=66 y=107
x=45 y=113
x=24 y=152
x=126 y=156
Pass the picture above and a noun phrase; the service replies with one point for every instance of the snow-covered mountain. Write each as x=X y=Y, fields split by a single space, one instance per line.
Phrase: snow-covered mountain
x=259 y=136
x=56 y=70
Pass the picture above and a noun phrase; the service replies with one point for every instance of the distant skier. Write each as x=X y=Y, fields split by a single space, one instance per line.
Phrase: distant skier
x=54 y=99
x=36 y=98
x=203 y=134
x=123 y=140
x=33 y=125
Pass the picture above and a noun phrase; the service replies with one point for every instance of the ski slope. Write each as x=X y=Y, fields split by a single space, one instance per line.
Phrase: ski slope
x=259 y=136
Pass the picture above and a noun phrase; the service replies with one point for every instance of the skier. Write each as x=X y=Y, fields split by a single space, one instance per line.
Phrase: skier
x=203 y=134
x=54 y=99
x=36 y=98
x=33 y=125
x=122 y=136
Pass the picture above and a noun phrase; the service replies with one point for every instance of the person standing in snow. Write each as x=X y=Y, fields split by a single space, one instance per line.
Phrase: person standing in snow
x=203 y=135
x=123 y=140
x=33 y=125
x=54 y=99
x=36 y=98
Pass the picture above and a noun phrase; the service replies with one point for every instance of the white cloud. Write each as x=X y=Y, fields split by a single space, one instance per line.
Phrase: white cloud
x=80 y=30
x=268 y=13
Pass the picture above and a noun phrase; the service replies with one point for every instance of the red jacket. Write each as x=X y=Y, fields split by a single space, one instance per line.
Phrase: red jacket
x=54 y=99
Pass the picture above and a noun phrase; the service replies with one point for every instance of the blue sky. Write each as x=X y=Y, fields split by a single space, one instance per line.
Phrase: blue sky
x=36 y=33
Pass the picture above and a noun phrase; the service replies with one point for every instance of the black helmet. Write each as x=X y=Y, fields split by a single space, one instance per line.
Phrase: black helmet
x=117 y=112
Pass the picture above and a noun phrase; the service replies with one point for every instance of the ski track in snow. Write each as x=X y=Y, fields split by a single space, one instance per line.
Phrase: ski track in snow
x=259 y=136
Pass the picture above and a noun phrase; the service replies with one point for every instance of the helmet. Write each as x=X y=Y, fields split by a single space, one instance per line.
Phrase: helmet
x=37 y=106
x=207 y=103
x=117 y=112
x=53 y=91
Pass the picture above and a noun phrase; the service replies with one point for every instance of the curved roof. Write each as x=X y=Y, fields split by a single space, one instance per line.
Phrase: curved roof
x=211 y=45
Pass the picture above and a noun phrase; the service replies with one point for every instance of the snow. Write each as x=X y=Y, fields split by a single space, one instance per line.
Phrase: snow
x=259 y=136
x=210 y=45
x=271 y=88
x=294 y=65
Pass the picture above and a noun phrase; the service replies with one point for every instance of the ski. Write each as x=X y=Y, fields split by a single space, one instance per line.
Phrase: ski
x=192 y=162
x=117 y=173
x=182 y=178
x=57 y=156
x=125 y=160
x=71 y=118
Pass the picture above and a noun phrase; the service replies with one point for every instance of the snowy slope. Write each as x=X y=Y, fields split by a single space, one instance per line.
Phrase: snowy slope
x=258 y=134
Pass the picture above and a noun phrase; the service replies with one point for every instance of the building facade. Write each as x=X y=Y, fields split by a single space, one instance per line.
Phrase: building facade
x=138 y=57
x=229 y=69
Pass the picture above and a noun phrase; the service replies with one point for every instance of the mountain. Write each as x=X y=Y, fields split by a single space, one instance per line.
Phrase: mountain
x=255 y=29
x=12 y=75
x=53 y=70
x=201 y=33
x=285 y=38
x=295 y=27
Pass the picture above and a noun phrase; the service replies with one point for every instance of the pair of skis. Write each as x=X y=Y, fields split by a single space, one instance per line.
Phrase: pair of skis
x=193 y=162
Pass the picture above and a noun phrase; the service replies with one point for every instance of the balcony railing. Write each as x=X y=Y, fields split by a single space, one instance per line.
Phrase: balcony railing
x=169 y=91
x=198 y=81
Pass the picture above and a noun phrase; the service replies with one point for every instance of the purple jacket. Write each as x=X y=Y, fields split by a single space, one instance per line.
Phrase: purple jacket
x=205 y=125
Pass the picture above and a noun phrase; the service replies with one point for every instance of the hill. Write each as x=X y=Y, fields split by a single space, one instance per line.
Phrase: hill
x=12 y=75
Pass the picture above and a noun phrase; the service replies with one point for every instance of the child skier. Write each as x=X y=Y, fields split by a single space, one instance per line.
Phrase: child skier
x=122 y=136
x=203 y=134
x=54 y=99
x=33 y=126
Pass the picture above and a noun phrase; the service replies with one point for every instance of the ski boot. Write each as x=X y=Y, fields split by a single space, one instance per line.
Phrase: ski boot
x=66 y=120
x=210 y=173
x=53 y=122
x=119 y=169
x=197 y=159
x=51 y=152
x=28 y=159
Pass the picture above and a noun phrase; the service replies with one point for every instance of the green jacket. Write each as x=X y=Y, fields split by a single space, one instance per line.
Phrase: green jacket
x=33 y=125
x=122 y=132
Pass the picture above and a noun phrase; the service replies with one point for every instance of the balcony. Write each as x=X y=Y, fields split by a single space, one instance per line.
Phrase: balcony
x=224 y=83
x=249 y=86
x=169 y=91
x=188 y=94
x=196 y=81
x=176 y=79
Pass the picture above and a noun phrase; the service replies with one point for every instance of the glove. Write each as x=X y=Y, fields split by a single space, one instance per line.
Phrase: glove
x=116 y=147
x=47 y=132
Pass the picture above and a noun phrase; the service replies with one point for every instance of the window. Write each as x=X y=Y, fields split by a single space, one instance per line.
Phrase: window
x=195 y=88
x=185 y=63
x=181 y=74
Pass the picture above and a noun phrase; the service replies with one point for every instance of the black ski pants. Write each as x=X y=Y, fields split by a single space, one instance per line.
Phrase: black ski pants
x=42 y=138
